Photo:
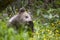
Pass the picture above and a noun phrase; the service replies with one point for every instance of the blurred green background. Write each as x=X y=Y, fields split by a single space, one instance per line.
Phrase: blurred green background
x=46 y=18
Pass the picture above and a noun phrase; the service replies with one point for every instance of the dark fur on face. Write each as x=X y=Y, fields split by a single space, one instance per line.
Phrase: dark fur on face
x=22 y=18
x=31 y=25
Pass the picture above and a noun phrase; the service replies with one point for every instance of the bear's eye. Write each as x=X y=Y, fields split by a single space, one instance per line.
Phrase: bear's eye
x=26 y=16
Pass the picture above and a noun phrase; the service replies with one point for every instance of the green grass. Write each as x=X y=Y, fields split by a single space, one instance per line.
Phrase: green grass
x=42 y=32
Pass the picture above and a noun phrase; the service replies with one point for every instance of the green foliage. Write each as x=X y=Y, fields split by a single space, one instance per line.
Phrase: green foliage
x=43 y=30
x=46 y=22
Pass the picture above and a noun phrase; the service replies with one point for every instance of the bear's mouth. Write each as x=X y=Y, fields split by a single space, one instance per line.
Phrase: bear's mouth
x=30 y=23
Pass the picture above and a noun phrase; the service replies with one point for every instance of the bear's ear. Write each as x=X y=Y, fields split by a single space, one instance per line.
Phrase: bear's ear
x=21 y=10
